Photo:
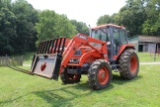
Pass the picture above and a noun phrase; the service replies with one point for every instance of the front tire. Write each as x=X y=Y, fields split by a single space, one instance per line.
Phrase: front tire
x=99 y=74
x=70 y=78
x=129 y=64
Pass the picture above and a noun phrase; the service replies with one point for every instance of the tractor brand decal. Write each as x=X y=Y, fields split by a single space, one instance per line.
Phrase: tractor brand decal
x=82 y=37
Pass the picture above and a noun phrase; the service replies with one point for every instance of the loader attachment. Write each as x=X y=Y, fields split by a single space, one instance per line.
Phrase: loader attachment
x=47 y=61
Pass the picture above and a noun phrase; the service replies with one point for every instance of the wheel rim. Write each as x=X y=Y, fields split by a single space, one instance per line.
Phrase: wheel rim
x=103 y=76
x=133 y=64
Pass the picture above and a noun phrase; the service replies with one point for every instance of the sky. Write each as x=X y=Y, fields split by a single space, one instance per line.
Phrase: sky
x=87 y=11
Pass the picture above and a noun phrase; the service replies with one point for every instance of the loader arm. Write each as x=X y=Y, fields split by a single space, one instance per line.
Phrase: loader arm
x=83 y=40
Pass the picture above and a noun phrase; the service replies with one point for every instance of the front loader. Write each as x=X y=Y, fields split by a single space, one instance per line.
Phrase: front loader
x=106 y=49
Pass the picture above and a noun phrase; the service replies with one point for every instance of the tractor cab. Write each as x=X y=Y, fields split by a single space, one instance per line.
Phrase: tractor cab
x=115 y=36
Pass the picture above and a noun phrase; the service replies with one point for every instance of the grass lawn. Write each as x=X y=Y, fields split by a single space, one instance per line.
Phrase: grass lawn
x=21 y=90
x=146 y=57
x=28 y=57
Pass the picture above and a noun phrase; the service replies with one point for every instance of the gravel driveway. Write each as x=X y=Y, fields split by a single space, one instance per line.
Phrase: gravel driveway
x=149 y=63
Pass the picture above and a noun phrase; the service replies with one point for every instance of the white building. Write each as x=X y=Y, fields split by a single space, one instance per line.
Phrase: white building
x=146 y=43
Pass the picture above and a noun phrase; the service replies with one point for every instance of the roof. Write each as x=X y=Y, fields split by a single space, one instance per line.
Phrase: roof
x=106 y=25
x=153 y=39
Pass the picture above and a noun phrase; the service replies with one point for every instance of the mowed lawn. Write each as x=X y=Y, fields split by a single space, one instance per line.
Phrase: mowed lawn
x=22 y=90
x=147 y=57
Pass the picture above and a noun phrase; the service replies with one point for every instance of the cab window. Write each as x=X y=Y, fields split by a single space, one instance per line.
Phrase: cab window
x=123 y=37
x=101 y=34
x=116 y=37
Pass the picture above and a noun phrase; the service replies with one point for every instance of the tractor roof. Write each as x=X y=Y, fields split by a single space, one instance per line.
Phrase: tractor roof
x=106 y=25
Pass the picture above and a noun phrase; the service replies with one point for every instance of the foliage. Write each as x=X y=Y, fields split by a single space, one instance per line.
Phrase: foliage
x=7 y=27
x=104 y=19
x=133 y=16
x=138 y=16
x=26 y=19
x=80 y=27
x=151 y=26
x=45 y=26
x=53 y=25
x=21 y=25
x=17 y=33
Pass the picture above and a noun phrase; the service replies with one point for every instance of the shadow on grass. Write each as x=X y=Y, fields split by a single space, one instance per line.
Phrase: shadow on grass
x=117 y=79
x=63 y=96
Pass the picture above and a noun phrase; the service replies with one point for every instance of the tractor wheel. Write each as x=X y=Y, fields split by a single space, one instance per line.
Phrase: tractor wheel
x=70 y=78
x=129 y=64
x=99 y=74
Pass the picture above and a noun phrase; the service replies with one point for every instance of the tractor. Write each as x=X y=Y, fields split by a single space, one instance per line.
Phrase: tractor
x=106 y=49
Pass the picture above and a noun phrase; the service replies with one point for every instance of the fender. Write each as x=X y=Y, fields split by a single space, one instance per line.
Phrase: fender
x=122 y=49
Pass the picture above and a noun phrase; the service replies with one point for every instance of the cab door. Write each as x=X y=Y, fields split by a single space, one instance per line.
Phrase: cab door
x=116 y=41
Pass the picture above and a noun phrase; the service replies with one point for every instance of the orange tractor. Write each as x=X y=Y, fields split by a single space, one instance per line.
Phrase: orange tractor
x=106 y=49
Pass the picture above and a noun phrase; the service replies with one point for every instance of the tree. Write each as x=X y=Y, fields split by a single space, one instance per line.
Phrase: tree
x=27 y=16
x=80 y=27
x=7 y=28
x=53 y=25
x=64 y=27
x=151 y=25
x=132 y=16
x=136 y=16
x=21 y=25
x=105 y=20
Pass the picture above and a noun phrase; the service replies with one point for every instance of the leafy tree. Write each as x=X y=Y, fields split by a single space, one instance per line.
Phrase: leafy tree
x=151 y=25
x=64 y=27
x=80 y=27
x=138 y=16
x=132 y=16
x=105 y=20
x=53 y=25
x=27 y=16
x=21 y=25
x=7 y=28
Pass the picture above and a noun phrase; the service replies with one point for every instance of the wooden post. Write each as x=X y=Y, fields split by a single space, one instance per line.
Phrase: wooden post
x=158 y=50
x=0 y=61
x=155 y=53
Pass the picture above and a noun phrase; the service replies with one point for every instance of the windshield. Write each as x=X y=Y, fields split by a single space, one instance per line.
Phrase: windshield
x=101 y=34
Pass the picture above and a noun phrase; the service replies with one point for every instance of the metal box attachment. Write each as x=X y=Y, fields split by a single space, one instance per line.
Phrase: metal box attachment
x=48 y=59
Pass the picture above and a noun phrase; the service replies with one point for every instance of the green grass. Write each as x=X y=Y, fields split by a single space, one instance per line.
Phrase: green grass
x=28 y=57
x=21 y=90
x=146 y=57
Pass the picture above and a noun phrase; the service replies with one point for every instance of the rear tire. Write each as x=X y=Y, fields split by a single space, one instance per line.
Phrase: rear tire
x=99 y=74
x=129 y=64
x=70 y=78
